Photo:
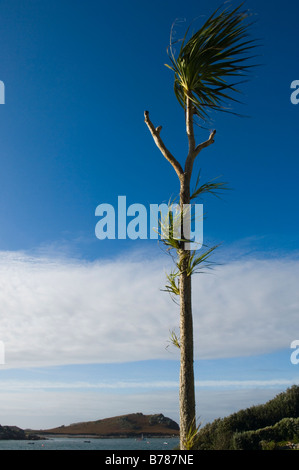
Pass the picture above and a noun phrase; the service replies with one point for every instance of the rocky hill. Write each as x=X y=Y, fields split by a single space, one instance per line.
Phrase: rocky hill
x=15 y=433
x=130 y=425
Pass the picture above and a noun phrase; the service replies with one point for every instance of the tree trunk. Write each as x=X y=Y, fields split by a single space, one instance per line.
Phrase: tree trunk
x=187 y=392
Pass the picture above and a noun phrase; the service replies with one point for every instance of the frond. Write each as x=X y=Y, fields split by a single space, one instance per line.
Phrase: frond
x=198 y=263
x=206 y=63
x=209 y=187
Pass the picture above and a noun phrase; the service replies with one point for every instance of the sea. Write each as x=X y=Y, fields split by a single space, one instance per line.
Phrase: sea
x=92 y=444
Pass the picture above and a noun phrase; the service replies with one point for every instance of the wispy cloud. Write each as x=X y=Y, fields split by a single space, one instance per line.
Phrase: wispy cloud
x=46 y=408
x=64 y=311
x=34 y=385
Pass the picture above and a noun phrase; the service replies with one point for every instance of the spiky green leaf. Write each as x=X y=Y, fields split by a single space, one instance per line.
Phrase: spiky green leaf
x=219 y=50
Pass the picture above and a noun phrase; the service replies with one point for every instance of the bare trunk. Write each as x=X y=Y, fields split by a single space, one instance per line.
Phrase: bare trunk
x=187 y=392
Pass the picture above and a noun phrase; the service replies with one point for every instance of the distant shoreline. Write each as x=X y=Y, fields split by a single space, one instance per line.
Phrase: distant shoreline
x=97 y=436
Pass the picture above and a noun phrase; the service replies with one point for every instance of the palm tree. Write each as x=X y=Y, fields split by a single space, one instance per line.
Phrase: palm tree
x=204 y=70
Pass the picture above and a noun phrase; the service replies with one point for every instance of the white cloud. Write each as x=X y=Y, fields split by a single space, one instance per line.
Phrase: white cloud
x=247 y=307
x=42 y=409
x=122 y=385
x=60 y=311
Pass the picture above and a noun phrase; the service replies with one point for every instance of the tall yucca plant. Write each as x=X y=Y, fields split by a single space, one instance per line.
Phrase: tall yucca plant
x=204 y=80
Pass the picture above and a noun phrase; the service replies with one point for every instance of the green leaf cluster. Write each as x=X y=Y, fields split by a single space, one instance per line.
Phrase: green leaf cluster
x=170 y=226
x=207 y=62
x=210 y=187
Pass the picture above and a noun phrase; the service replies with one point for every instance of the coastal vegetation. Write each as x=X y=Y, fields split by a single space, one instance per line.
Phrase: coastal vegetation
x=273 y=425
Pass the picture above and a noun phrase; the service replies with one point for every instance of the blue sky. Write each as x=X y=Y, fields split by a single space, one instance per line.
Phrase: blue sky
x=84 y=323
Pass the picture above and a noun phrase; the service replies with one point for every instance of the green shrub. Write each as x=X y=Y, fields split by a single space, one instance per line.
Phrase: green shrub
x=268 y=445
x=284 y=430
x=232 y=432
